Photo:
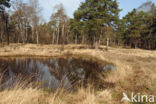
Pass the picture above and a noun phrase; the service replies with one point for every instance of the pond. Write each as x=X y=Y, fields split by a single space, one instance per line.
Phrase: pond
x=51 y=72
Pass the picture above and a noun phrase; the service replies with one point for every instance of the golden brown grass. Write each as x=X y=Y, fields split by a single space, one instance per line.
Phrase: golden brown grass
x=135 y=72
x=37 y=96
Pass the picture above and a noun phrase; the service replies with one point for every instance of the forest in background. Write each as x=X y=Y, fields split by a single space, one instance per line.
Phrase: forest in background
x=95 y=23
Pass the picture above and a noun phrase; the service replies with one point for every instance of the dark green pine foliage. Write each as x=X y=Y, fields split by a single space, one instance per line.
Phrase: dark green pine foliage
x=4 y=17
x=4 y=3
x=95 y=15
x=136 y=25
x=120 y=32
x=152 y=37
x=76 y=29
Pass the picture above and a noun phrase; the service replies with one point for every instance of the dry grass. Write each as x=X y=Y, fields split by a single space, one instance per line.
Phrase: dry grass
x=135 y=72
x=20 y=96
x=37 y=96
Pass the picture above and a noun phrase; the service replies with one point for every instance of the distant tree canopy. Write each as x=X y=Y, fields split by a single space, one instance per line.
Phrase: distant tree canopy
x=93 y=17
x=95 y=22
x=59 y=21
x=140 y=29
x=5 y=3
x=4 y=19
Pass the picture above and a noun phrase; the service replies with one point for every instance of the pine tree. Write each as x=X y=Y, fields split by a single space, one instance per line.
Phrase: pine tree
x=3 y=4
x=136 y=24
x=95 y=15
x=4 y=16
x=120 y=32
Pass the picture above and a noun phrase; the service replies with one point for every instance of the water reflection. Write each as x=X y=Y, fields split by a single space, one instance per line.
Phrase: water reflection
x=52 y=72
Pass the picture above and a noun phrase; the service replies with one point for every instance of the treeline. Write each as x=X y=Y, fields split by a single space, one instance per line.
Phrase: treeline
x=94 y=23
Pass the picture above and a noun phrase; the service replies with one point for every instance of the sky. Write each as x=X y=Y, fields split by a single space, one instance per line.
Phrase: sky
x=72 y=5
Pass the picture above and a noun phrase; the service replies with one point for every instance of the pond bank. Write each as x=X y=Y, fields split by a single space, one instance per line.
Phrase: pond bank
x=132 y=65
x=52 y=72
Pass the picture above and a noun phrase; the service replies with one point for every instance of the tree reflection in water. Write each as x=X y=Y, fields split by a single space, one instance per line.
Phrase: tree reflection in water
x=52 y=72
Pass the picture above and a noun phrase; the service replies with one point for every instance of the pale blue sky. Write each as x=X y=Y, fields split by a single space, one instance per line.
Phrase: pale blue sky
x=72 y=5
x=128 y=5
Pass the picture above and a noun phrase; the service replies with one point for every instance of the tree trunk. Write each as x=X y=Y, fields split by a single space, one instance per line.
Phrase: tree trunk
x=96 y=43
x=94 y=40
x=1 y=34
x=100 y=39
x=53 y=40
x=83 y=39
x=26 y=37
x=58 y=36
x=19 y=33
x=76 y=39
x=32 y=35
x=22 y=33
x=67 y=37
x=62 y=38
x=107 y=42
x=37 y=37
x=7 y=31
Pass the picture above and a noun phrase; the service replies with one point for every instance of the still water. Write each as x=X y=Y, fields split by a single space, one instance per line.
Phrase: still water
x=51 y=72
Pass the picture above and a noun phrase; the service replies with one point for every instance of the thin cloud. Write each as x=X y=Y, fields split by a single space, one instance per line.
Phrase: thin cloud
x=48 y=7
